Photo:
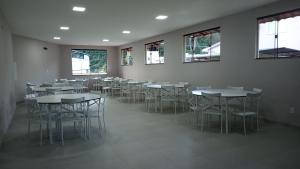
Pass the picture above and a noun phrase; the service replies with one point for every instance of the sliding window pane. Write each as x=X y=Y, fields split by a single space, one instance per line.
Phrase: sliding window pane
x=203 y=46
x=288 y=37
x=267 y=39
x=155 y=52
x=89 y=61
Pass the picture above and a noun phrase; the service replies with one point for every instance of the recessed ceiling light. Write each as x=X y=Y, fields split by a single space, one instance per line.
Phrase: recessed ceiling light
x=78 y=9
x=105 y=40
x=126 y=32
x=161 y=17
x=64 y=28
x=56 y=38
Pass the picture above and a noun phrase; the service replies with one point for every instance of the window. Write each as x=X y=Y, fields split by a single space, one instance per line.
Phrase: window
x=155 y=52
x=203 y=46
x=278 y=35
x=126 y=57
x=89 y=61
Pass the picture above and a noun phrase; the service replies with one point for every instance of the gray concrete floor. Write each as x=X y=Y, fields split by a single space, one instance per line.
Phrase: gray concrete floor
x=136 y=139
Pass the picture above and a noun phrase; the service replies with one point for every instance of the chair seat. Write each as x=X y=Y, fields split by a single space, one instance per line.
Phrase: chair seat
x=245 y=114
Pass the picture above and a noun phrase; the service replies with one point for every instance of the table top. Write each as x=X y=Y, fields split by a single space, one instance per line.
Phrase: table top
x=64 y=88
x=159 y=86
x=135 y=82
x=108 y=80
x=224 y=92
x=56 y=99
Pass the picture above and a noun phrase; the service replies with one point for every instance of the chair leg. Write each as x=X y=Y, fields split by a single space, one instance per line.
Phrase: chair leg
x=202 y=121
x=29 y=126
x=175 y=106
x=104 y=125
x=99 y=125
x=257 y=123
x=221 y=118
x=41 y=135
x=244 y=122
x=61 y=133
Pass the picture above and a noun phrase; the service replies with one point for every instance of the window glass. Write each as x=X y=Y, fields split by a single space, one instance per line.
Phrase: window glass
x=155 y=52
x=89 y=61
x=277 y=35
x=127 y=59
x=203 y=46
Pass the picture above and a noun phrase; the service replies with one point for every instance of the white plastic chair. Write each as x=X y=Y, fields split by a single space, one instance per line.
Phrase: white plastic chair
x=212 y=106
x=149 y=97
x=195 y=103
x=96 y=109
x=168 y=94
x=35 y=115
x=250 y=108
x=72 y=110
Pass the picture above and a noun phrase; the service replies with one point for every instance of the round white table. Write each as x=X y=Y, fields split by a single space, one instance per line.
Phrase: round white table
x=157 y=88
x=225 y=93
x=64 y=88
x=56 y=99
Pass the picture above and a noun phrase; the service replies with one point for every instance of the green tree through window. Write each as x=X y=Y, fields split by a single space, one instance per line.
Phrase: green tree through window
x=89 y=61
x=203 y=46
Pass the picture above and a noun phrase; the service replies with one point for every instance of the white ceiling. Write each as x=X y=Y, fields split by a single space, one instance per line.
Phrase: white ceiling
x=40 y=19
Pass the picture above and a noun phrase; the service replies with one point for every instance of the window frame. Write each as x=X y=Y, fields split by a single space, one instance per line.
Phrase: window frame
x=257 y=57
x=126 y=49
x=198 y=32
x=145 y=58
x=90 y=74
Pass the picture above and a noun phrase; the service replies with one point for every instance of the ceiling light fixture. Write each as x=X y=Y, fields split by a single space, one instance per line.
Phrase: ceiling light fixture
x=161 y=17
x=79 y=9
x=56 y=38
x=64 y=28
x=126 y=32
x=105 y=40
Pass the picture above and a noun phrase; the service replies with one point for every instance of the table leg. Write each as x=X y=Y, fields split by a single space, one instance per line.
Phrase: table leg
x=226 y=115
x=49 y=124
x=155 y=95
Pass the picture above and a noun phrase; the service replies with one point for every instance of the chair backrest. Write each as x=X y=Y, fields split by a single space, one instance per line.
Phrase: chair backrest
x=31 y=104
x=167 y=91
x=252 y=101
x=211 y=98
x=236 y=87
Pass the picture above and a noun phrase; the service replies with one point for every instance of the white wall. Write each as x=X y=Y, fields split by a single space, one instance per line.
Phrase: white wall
x=34 y=64
x=279 y=78
x=66 y=61
x=7 y=93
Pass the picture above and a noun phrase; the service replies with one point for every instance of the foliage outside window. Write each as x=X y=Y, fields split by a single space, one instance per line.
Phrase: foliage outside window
x=203 y=46
x=126 y=57
x=155 y=52
x=278 y=35
x=89 y=61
